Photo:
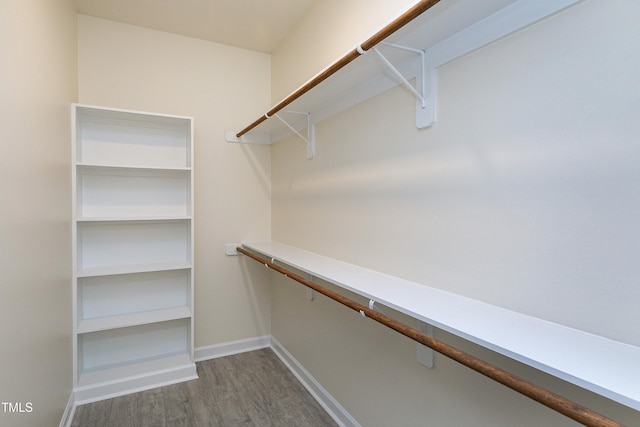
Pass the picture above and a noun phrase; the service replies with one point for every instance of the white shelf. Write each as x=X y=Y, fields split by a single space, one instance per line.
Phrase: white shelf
x=598 y=364
x=120 y=346
x=133 y=268
x=446 y=31
x=133 y=319
x=132 y=192
x=106 y=296
x=107 y=168
x=131 y=138
x=114 y=244
x=133 y=218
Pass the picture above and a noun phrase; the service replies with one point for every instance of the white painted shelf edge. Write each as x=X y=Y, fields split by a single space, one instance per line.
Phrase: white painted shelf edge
x=604 y=366
x=133 y=319
x=145 y=218
x=134 y=268
x=88 y=167
x=97 y=111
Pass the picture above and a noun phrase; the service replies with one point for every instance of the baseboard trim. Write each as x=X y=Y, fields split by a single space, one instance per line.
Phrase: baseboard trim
x=67 y=416
x=232 y=347
x=319 y=393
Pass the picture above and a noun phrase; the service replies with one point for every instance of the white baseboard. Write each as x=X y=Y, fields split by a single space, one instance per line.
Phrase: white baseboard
x=233 y=347
x=319 y=393
x=324 y=398
x=67 y=416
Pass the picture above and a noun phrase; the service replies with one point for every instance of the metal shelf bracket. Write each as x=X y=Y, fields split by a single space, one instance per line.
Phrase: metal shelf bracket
x=424 y=355
x=310 y=140
x=265 y=138
x=424 y=88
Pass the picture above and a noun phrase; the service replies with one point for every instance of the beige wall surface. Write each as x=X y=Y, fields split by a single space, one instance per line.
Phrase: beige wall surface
x=222 y=87
x=37 y=85
x=524 y=194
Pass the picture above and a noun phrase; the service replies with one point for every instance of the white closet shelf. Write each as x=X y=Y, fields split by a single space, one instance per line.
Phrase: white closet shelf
x=445 y=30
x=135 y=268
x=96 y=167
x=166 y=218
x=133 y=319
x=601 y=365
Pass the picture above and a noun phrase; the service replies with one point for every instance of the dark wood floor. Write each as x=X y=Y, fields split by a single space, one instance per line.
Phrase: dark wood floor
x=248 y=389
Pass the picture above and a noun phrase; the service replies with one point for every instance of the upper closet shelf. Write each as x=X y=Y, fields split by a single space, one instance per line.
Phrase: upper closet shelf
x=426 y=36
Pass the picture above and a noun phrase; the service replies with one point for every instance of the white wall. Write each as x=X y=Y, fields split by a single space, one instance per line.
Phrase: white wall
x=37 y=85
x=524 y=194
x=222 y=88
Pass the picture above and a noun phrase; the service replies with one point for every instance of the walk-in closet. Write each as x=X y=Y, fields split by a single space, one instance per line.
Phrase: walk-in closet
x=320 y=212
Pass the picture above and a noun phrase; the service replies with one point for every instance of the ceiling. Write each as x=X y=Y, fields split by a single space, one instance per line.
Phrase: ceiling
x=258 y=25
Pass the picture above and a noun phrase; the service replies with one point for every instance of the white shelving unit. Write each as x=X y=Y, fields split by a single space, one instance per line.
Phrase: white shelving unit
x=132 y=251
x=604 y=366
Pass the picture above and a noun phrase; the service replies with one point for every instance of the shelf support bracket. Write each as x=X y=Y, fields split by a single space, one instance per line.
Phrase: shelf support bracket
x=423 y=90
x=311 y=294
x=424 y=354
x=310 y=139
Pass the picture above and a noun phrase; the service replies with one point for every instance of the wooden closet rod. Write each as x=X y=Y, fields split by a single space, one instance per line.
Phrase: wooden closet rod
x=385 y=32
x=556 y=402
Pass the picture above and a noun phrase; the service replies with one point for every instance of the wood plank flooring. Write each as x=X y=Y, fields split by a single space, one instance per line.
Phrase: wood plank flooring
x=248 y=389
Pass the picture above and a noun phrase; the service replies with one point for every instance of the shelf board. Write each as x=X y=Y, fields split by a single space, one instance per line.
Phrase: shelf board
x=601 y=365
x=133 y=319
x=84 y=167
x=143 y=118
x=134 y=219
x=136 y=268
